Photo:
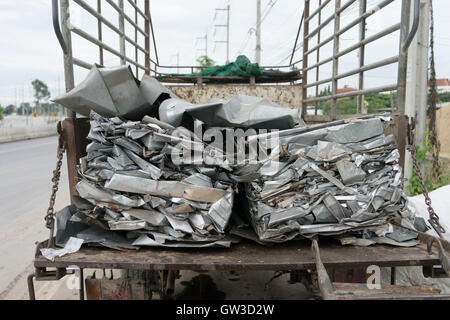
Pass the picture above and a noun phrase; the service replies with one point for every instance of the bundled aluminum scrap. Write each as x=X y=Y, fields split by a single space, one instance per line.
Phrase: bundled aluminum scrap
x=340 y=179
x=130 y=183
x=333 y=179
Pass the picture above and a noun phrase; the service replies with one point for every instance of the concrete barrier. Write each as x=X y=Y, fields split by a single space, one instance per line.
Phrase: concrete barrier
x=17 y=128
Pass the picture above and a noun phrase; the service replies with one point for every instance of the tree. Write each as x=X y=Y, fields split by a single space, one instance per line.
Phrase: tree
x=41 y=91
x=205 y=61
x=9 y=110
x=24 y=109
x=1 y=113
x=444 y=97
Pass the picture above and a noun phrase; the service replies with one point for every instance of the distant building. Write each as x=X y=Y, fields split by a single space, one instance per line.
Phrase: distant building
x=442 y=85
x=345 y=90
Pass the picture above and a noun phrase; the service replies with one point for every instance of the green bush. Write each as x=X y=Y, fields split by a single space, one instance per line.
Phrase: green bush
x=431 y=183
x=373 y=102
x=444 y=97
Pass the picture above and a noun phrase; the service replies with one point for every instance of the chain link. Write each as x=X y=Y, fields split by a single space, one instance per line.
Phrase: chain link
x=434 y=218
x=50 y=216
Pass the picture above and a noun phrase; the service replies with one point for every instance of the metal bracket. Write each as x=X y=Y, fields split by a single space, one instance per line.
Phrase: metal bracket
x=445 y=261
x=325 y=285
x=42 y=274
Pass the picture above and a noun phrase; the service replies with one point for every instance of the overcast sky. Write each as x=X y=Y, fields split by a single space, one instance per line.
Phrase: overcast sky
x=29 y=49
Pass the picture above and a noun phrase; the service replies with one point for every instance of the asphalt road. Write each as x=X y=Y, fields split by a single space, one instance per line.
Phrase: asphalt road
x=26 y=169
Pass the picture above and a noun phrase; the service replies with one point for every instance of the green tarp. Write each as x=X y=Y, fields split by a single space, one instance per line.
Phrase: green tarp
x=242 y=67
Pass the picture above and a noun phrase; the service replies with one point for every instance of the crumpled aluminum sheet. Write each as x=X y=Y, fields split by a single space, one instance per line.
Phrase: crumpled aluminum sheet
x=332 y=179
x=131 y=186
x=103 y=92
x=239 y=112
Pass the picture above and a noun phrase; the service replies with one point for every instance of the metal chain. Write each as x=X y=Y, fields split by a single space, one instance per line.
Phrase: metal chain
x=50 y=216
x=434 y=218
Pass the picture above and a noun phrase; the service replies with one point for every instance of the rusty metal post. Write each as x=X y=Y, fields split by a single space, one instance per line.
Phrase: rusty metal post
x=393 y=272
x=68 y=124
x=399 y=119
x=403 y=57
x=400 y=134
x=122 y=31
x=334 y=82
x=81 y=291
x=100 y=32
x=147 y=36
x=68 y=59
x=319 y=17
x=362 y=35
x=305 y=59
x=31 y=292
x=136 y=53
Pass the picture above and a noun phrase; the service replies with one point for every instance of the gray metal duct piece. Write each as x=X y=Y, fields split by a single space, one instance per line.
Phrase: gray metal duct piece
x=239 y=112
x=110 y=92
x=154 y=92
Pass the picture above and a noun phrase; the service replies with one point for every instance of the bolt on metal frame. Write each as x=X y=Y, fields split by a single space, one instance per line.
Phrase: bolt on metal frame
x=363 y=41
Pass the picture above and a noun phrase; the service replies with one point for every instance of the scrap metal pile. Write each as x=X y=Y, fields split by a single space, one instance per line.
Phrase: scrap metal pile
x=142 y=185
x=334 y=179
x=133 y=185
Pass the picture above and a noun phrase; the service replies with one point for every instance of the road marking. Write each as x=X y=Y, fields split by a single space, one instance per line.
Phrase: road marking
x=29 y=147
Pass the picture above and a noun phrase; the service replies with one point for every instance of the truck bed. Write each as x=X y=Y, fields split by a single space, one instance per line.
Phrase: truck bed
x=246 y=255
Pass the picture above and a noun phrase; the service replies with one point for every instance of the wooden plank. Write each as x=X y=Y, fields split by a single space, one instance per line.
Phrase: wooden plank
x=245 y=256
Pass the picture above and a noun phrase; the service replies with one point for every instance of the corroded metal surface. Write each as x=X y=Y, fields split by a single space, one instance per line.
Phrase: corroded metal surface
x=245 y=256
x=359 y=291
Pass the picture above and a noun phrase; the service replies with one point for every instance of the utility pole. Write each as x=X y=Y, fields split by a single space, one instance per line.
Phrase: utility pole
x=417 y=81
x=205 y=38
x=23 y=100
x=258 y=32
x=16 y=101
x=227 y=9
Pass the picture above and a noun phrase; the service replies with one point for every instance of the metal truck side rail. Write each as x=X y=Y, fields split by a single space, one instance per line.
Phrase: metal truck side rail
x=406 y=37
x=150 y=65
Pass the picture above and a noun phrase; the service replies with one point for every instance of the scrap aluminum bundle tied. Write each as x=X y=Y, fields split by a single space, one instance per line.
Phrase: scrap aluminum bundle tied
x=341 y=179
x=132 y=183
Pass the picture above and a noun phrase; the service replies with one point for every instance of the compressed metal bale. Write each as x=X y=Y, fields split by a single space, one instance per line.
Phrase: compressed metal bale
x=348 y=181
x=137 y=189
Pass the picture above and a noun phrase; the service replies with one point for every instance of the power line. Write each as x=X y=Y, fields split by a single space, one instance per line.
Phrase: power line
x=266 y=11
